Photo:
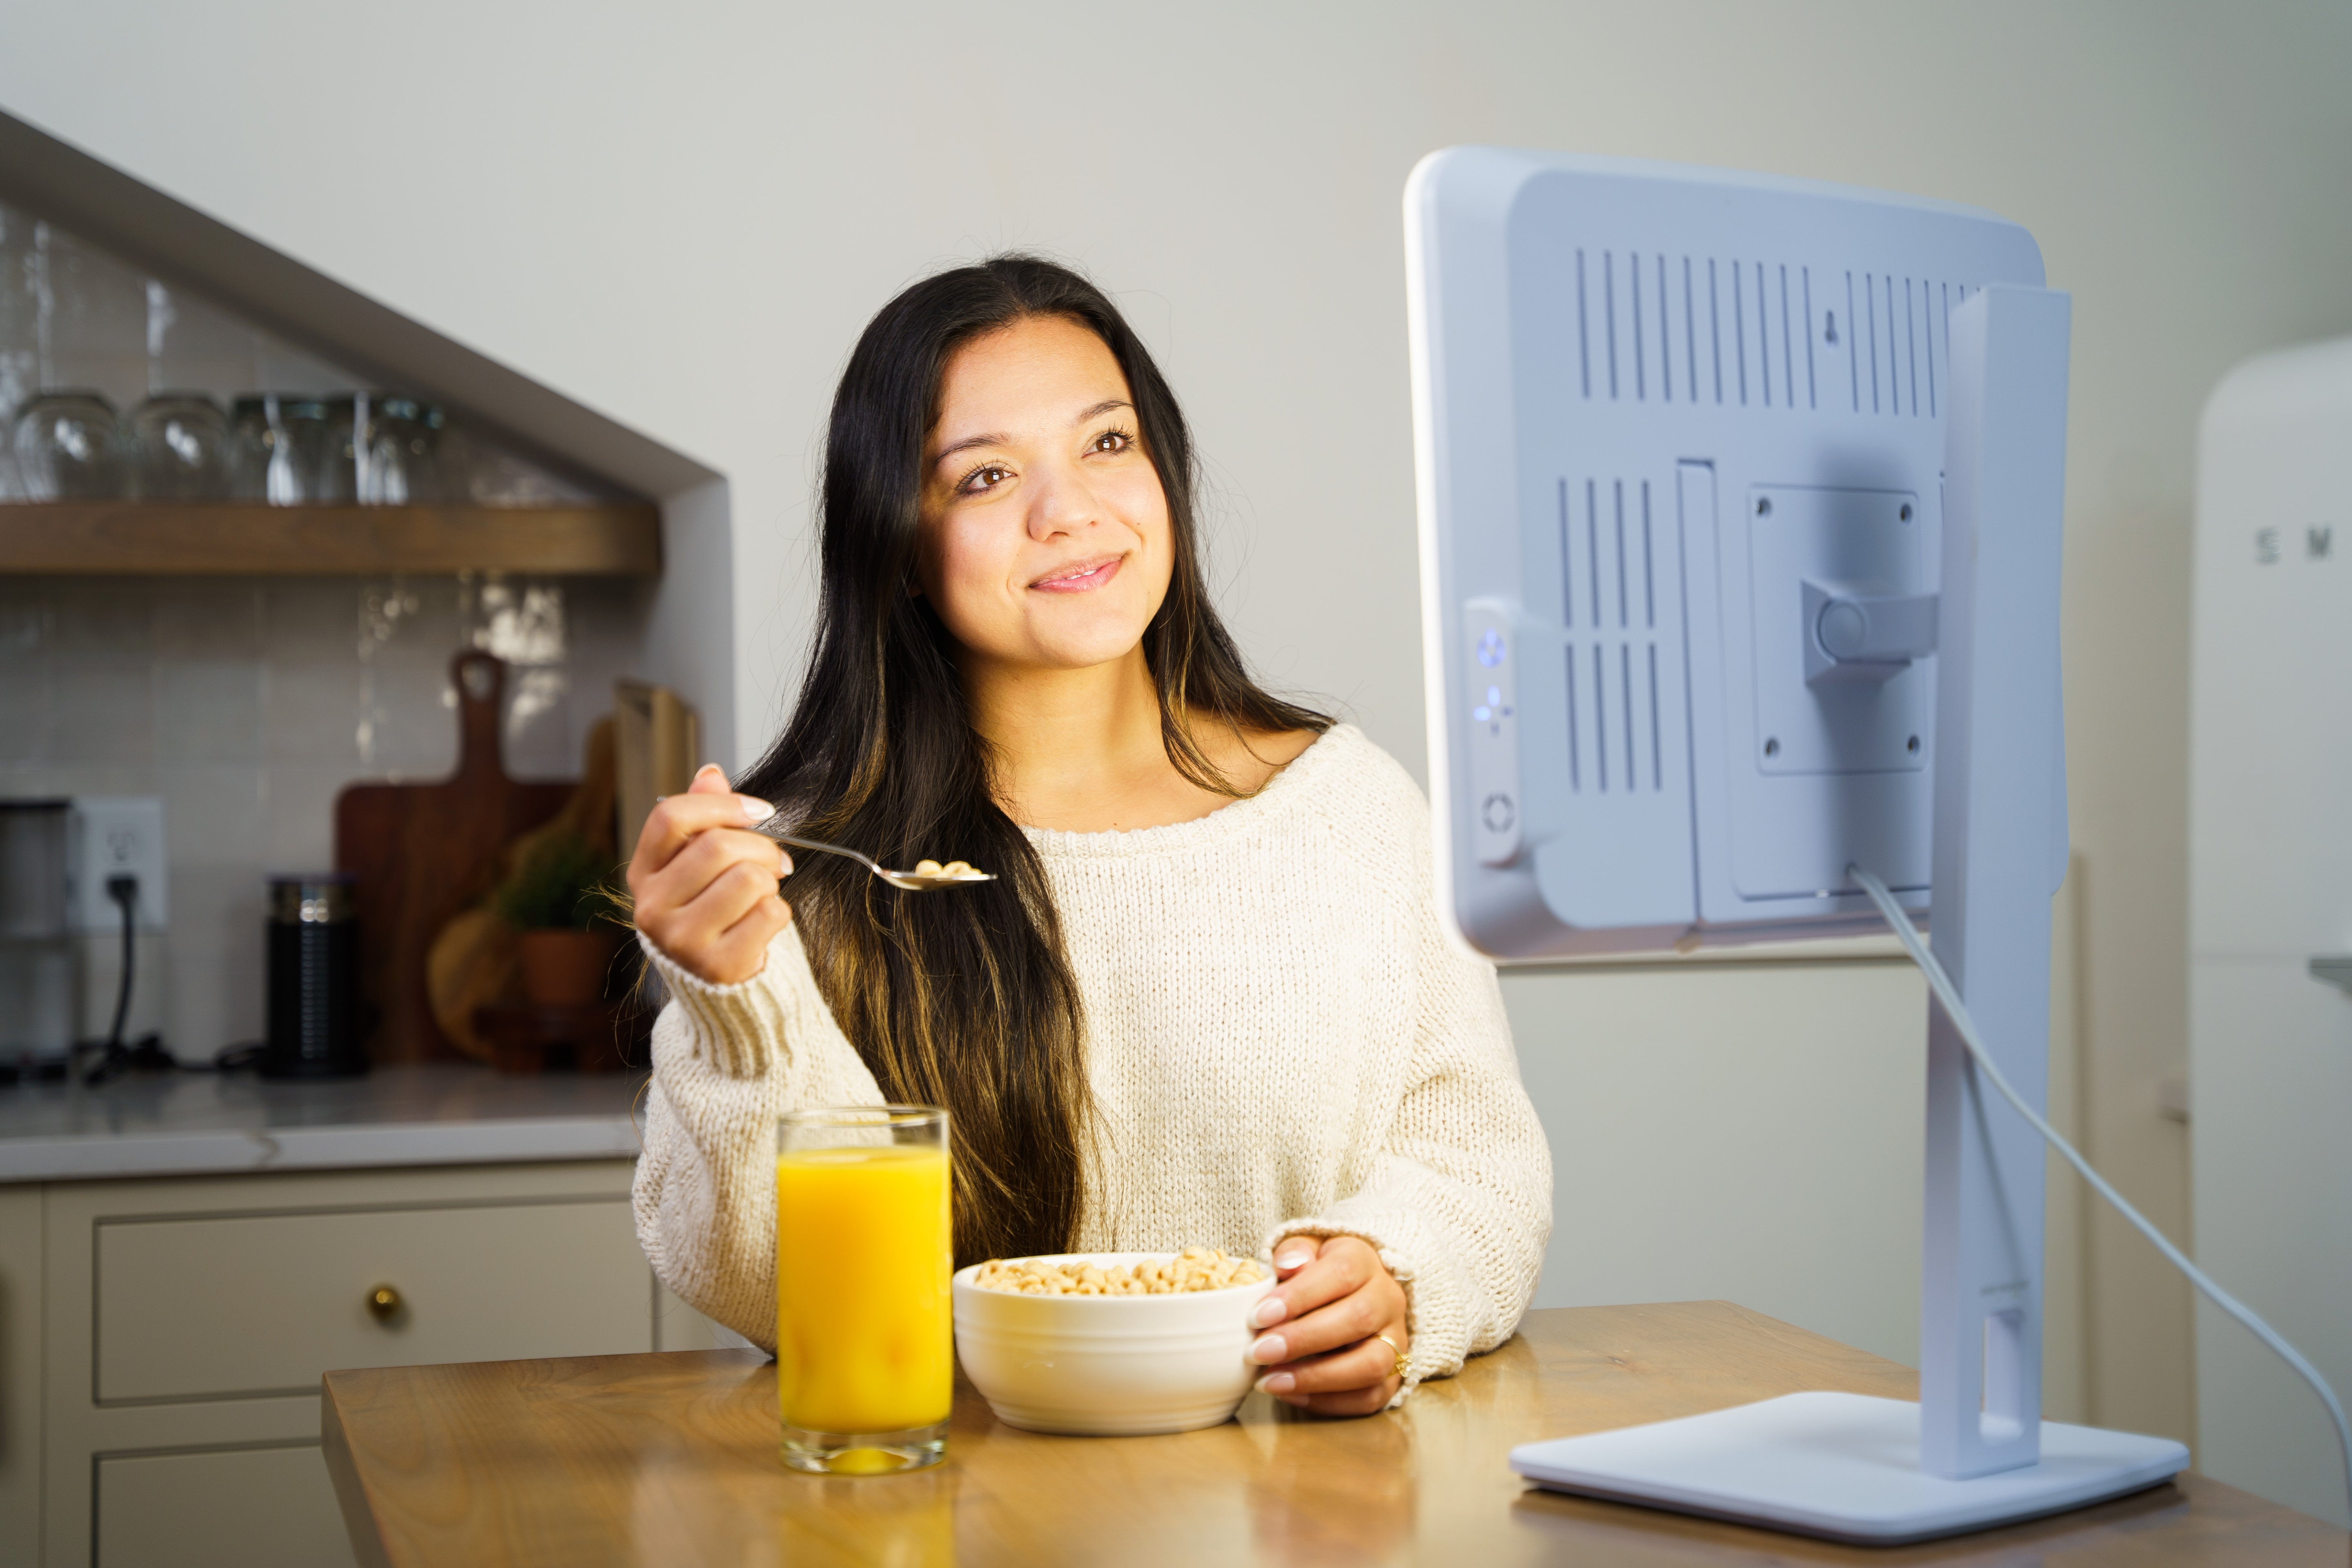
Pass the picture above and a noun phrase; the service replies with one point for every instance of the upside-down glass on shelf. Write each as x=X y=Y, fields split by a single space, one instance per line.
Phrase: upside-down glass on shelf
x=397 y=443
x=180 y=448
x=278 y=443
x=865 y=1323
x=69 y=447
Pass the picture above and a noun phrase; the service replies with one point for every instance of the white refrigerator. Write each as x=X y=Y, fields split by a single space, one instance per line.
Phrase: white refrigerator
x=2270 y=906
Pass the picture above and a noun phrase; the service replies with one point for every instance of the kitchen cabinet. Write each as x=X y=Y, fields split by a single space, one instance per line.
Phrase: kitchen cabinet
x=20 y=1374
x=245 y=1306
x=227 y=1506
x=162 y=1339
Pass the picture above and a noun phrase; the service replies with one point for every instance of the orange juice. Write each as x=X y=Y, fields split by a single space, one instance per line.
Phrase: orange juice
x=865 y=1329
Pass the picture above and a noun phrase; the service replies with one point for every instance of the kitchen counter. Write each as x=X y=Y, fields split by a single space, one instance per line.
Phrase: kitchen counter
x=210 y=1124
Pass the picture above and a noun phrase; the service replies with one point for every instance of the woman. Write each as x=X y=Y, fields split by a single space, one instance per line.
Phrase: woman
x=1207 y=1000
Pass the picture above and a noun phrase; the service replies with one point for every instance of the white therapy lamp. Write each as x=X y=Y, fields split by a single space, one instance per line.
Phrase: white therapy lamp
x=1740 y=509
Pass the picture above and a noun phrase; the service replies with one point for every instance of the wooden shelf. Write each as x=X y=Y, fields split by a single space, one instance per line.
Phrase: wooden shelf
x=245 y=539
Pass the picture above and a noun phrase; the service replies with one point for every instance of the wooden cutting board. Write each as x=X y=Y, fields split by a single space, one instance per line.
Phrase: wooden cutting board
x=476 y=959
x=422 y=853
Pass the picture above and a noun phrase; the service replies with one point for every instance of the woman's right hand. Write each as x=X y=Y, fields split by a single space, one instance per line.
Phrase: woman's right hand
x=704 y=885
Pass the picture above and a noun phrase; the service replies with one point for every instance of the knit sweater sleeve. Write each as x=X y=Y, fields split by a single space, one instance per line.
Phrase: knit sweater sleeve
x=1457 y=1200
x=728 y=1061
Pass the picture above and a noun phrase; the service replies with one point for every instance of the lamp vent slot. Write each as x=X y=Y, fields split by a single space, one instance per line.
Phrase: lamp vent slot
x=1745 y=333
x=1608 y=551
x=1896 y=340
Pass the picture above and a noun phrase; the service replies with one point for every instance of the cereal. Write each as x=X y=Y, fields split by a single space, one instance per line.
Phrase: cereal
x=1194 y=1269
x=953 y=872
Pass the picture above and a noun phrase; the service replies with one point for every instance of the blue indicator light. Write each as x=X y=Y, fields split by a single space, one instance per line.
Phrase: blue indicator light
x=1490 y=649
x=1492 y=712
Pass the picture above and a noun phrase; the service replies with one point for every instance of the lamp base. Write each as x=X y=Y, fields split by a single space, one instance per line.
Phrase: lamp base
x=1841 y=1466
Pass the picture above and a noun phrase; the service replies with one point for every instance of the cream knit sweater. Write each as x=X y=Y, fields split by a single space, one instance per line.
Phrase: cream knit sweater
x=1279 y=1038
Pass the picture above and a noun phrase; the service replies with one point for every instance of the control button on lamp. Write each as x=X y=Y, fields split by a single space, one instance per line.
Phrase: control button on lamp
x=1492 y=710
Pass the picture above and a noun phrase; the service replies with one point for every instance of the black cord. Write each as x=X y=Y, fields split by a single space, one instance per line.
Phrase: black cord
x=113 y=1055
x=124 y=892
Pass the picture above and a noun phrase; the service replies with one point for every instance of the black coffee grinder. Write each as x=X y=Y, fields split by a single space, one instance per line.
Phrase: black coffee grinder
x=314 y=979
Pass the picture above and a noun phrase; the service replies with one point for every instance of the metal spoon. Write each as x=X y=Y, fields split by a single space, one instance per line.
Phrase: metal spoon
x=913 y=881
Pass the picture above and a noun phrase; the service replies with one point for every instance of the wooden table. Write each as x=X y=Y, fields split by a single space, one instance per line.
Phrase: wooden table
x=672 y=1459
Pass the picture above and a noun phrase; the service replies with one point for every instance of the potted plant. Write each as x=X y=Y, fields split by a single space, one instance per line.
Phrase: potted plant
x=559 y=898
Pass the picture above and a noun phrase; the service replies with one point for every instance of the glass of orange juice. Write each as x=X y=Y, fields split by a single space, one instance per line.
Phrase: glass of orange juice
x=865 y=1329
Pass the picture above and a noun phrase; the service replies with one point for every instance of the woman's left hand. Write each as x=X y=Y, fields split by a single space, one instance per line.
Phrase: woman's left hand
x=1320 y=1353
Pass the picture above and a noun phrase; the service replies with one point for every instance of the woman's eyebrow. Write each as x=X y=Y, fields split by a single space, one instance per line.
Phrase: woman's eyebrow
x=1105 y=406
x=968 y=443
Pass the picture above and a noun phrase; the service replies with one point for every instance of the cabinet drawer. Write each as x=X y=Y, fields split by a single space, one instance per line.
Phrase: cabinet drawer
x=246 y=1507
x=230 y=1306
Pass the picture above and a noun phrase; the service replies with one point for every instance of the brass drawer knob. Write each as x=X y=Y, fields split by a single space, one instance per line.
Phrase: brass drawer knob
x=384 y=1302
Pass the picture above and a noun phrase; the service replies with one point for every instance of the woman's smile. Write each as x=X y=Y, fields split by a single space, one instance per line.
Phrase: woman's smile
x=1081 y=577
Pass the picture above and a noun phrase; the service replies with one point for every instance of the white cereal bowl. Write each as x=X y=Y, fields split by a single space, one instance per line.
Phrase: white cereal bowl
x=1108 y=1365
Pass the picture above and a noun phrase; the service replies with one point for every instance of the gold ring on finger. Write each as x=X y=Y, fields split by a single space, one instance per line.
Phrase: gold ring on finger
x=1403 y=1370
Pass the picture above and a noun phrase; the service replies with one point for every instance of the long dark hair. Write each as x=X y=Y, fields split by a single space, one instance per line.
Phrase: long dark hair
x=965 y=999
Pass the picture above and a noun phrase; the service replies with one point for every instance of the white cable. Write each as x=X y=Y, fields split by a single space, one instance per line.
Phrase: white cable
x=1956 y=1010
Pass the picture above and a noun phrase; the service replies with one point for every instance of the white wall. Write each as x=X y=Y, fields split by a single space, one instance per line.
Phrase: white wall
x=1694 y=1161
x=681 y=215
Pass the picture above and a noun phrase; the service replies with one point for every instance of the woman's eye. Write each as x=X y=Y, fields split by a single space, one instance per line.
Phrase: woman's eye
x=1112 y=441
x=983 y=478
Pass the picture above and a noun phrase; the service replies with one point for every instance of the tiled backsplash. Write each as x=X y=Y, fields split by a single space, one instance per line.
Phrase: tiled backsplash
x=247 y=704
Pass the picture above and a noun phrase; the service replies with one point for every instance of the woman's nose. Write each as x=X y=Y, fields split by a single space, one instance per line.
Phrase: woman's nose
x=1063 y=503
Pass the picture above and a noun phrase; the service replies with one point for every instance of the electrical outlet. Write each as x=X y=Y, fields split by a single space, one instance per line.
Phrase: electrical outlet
x=117 y=836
